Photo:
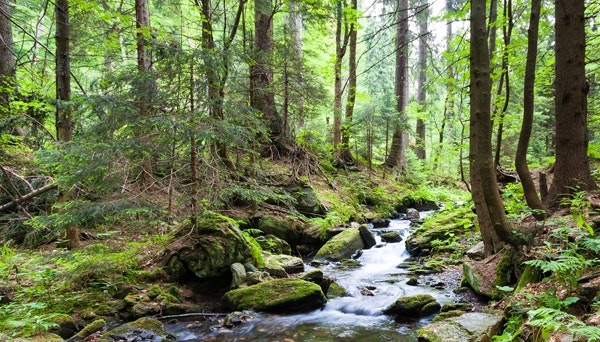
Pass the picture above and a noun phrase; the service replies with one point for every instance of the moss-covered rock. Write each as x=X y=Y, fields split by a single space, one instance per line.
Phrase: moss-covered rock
x=90 y=328
x=42 y=337
x=214 y=244
x=486 y=275
x=274 y=245
x=335 y=291
x=279 y=295
x=442 y=227
x=391 y=237
x=341 y=246
x=281 y=265
x=306 y=201
x=151 y=328
x=412 y=307
x=66 y=325
x=281 y=228
x=471 y=326
x=367 y=236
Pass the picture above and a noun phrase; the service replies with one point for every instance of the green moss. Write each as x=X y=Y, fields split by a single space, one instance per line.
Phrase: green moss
x=154 y=291
x=447 y=314
x=335 y=291
x=91 y=328
x=285 y=294
x=341 y=246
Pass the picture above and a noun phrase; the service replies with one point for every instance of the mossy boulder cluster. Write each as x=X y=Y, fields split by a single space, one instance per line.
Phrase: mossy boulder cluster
x=208 y=248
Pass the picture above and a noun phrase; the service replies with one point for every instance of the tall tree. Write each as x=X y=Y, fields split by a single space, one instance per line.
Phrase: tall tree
x=213 y=62
x=145 y=82
x=7 y=56
x=345 y=153
x=499 y=111
x=293 y=65
x=449 y=102
x=341 y=43
x=494 y=227
x=572 y=169
x=423 y=18
x=397 y=156
x=262 y=97
x=64 y=120
x=529 y=191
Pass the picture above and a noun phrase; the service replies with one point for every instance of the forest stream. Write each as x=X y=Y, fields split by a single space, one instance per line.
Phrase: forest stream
x=370 y=287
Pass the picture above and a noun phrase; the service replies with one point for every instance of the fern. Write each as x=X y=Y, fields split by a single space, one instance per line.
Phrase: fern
x=566 y=268
x=550 y=320
x=589 y=333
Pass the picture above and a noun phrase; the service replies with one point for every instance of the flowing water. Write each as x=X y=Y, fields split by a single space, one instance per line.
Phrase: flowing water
x=355 y=317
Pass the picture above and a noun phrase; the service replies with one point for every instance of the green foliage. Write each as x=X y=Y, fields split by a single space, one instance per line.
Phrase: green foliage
x=548 y=320
x=565 y=268
x=21 y=320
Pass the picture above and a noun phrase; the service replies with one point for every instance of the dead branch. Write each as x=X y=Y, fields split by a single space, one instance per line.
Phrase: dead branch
x=28 y=196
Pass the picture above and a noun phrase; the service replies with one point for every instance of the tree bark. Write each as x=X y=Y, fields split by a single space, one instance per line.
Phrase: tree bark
x=499 y=113
x=7 y=57
x=529 y=191
x=262 y=97
x=486 y=196
x=572 y=169
x=345 y=153
x=64 y=122
x=397 y=156
x=341 y=43
x=423 y=17
x=146 y=84
x=215 y=83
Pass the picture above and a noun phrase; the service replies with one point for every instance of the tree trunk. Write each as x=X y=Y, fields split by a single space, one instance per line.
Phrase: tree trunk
x=449 y=103
x=345 y=153
x=483 y=176
x=341 y=42
x=295 y=27
x=499 y=113
x=142 y=24
x=397 y=156
x=423 y=18
x=7 y=57
x=63 y=122
x=531 y=196
x=572 y=169
x=261 y=75
x=215 y=85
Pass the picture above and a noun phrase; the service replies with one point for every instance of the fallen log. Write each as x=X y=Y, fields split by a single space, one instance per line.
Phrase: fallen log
x=28 y=196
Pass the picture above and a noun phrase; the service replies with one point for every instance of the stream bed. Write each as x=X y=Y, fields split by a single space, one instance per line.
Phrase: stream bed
x=371 y=287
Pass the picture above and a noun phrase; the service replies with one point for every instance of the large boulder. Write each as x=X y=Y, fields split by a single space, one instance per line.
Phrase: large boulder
x=341 y=246
x=279 y=295
x=212 y=245
x=485 y=276
x=442 y=227
x=281 y=228
x=274 y=245
x=471 y=326
x=306 y=201
x=281 y=265
x=411 y=307
x=367 y=236
x=144 y=329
